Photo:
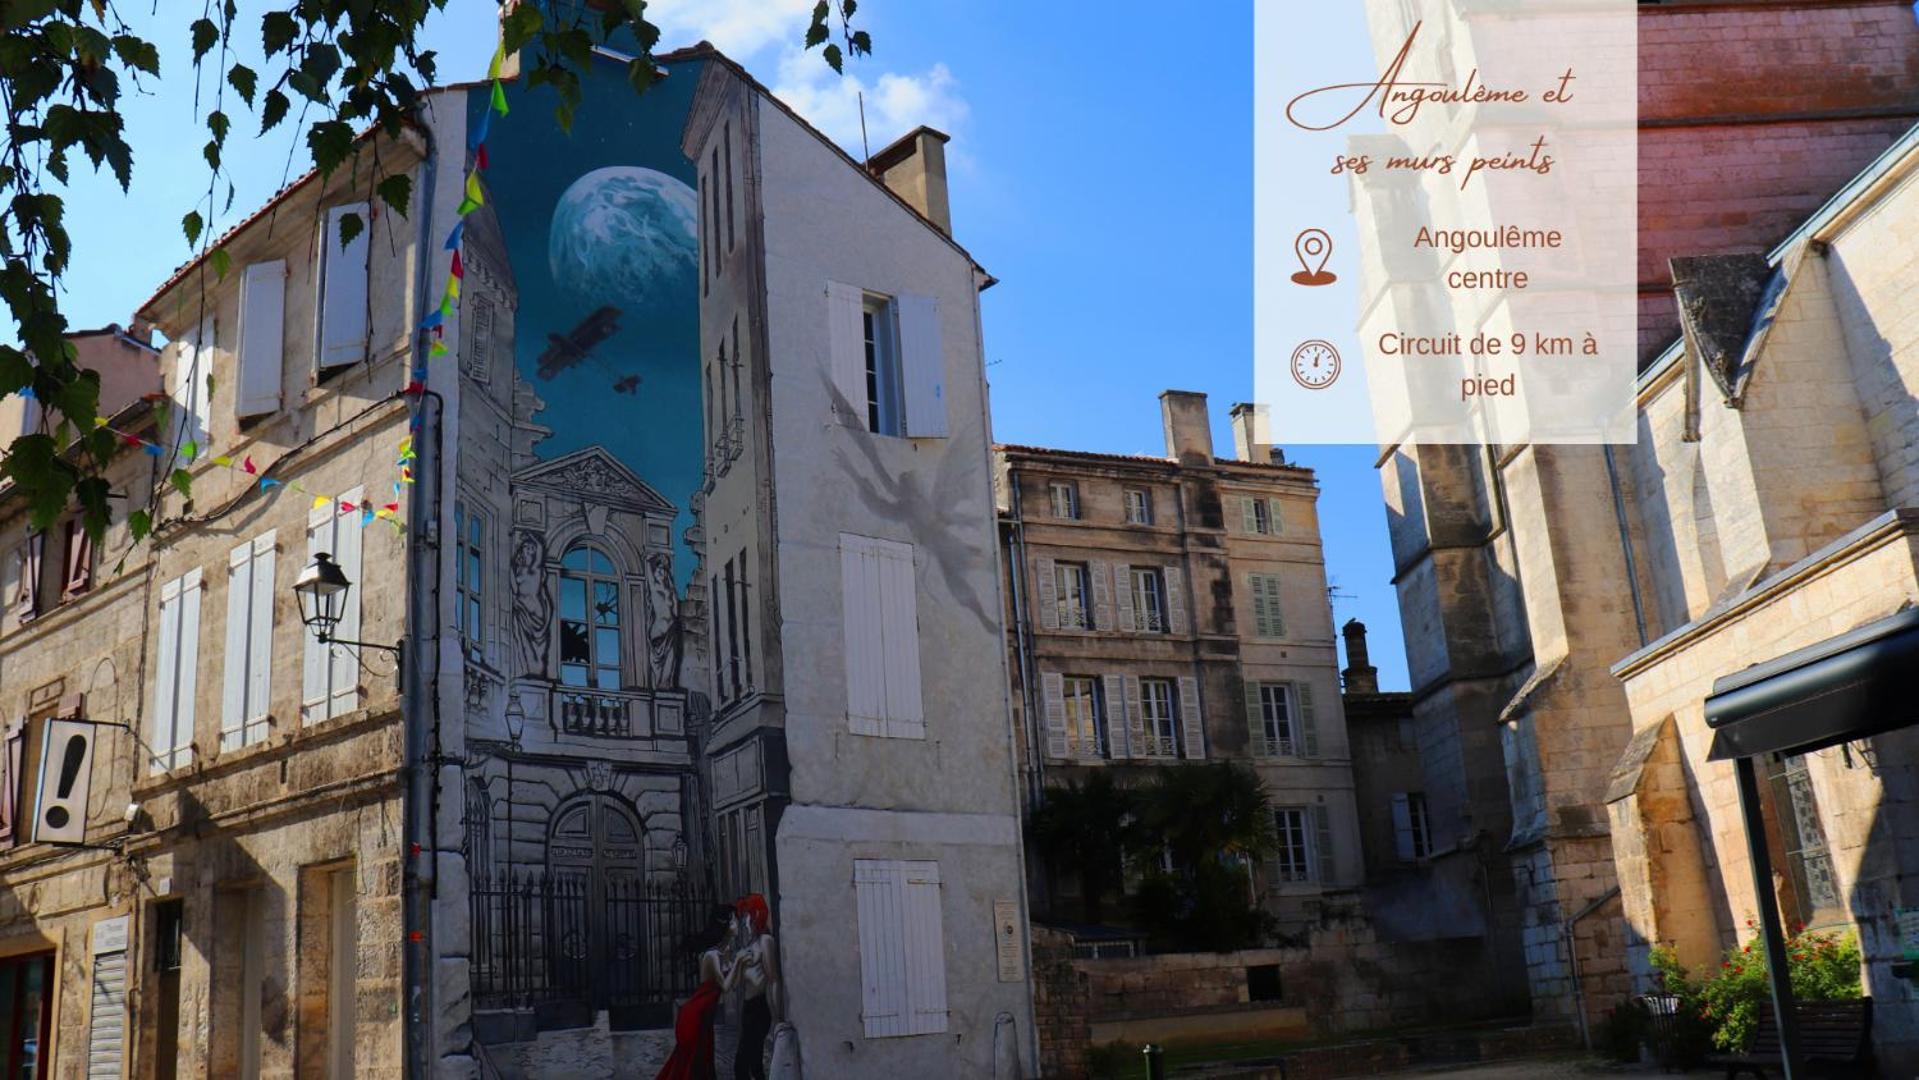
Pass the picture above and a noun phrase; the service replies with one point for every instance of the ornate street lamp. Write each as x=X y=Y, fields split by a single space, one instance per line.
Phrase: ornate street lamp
x=322 y=591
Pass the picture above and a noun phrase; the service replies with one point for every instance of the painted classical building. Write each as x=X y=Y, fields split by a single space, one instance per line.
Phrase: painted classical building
x=1169 y=610
x=688 y=538
x=1567 y=609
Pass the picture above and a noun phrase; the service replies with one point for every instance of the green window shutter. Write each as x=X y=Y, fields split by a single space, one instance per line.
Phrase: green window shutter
x=1308 y=733
x=1255 y=719
x=1273 y=520
x=1324 y=864
x=1267 y=622
x=1247 y=513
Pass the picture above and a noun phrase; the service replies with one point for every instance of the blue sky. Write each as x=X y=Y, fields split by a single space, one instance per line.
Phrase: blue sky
x=1101 y=168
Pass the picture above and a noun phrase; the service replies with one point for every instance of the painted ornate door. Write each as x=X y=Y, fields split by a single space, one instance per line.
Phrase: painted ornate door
x=595 y=853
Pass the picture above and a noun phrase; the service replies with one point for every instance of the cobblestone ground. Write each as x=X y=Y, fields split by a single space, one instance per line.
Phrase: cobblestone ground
x=1543 y=1069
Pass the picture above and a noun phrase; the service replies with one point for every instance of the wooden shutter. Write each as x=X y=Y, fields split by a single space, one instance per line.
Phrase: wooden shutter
x=1113 y=700
x=249 y=643
x=313 y=663
x=1249 y=516
x=900 y=639
x=846 y=341
x=175 y=666
x=1175 y=580
x=1135 y=719
x=343 y=680
x=902 y=947
x=1325 y=865
x=78 y=576
x=922 y=366
x=864 y=636
x=1267 y=622
x=107 y=1016
x=1402 y=827
x=1123 y=595
x=1048 y=592
x=262 y=333
x=10 y=779
x=1052 y=693
x=1274 y=523
x=1102 y=595
x=10 y=583
x=1191 y=726
x=343 y=289
x=1256 y=719
x=1307 y=736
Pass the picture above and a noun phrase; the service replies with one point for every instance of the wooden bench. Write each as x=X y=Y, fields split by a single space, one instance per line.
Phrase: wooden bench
x=1835 y=1039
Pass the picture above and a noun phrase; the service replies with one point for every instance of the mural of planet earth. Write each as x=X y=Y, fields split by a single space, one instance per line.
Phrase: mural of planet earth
x=627 y=236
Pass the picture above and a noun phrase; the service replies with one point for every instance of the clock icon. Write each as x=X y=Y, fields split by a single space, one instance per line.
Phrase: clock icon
x=1315 y=364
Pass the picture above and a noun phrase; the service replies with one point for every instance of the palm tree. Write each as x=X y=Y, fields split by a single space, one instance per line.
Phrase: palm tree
x=1081 y=828
x=1214 y=824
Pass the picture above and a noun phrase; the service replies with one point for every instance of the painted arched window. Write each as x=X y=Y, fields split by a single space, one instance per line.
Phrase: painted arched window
x=589 y=619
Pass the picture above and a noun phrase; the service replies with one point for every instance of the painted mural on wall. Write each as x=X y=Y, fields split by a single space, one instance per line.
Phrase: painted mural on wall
x=576 y=526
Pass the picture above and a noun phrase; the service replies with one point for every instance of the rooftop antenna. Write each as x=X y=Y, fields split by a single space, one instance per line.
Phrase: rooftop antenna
x=866 y=151
x=1334 y=594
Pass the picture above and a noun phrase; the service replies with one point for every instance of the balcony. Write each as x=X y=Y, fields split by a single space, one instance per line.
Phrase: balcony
x=1272 y=746
x=606 y=714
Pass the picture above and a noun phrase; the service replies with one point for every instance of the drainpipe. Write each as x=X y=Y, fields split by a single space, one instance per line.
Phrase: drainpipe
x=1022 y=642
x=1567 y=931
x=419 y=694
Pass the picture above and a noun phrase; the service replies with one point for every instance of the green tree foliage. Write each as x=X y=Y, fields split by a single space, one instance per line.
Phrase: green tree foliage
x=1823 y=966
x=349 y=65
x=1214 y=825
x=1082 y=829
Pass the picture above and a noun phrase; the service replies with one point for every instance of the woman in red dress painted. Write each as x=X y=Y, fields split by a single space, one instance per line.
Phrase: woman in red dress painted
x=692 y=1057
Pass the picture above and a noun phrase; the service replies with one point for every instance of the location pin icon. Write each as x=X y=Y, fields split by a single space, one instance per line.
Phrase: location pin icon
x=1315 y=249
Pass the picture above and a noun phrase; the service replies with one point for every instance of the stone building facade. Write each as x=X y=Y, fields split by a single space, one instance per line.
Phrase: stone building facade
x=1544 y=589
x=1169 y=610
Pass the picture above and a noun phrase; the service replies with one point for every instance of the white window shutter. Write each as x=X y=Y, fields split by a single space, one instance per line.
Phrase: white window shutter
x=1135 y=719
x=1123 y=594
x=343 y=678
x=1308 y=733
x=1102 y=596
x=1175 y=579
x=900 y=640
x=864 y=636
x=343 y=289
x=846 y=338
x=262 y=331
x=260 y=639
x=925 y=950
x=1325 y=864
x=1402 y=827
x=1053 y=696
x=233 y=696
x=166 y=680
x=1248 y=515
x=1191 y=727
x=1273 y=520
x=1048 y=593
x=922 y=366
x=313 y=683
x=879 y=887
x=1113 y=690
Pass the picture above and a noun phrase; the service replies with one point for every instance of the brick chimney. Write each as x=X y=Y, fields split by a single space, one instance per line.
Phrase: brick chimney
x=1253 y=435
x=1361 y=677
x=914 y=167
x=1189 y=431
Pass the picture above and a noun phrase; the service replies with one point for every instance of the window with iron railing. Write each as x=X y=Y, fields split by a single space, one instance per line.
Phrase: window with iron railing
x=1149 y=600
x=1072 y=593
x=1161 y=721
x=1276 y=721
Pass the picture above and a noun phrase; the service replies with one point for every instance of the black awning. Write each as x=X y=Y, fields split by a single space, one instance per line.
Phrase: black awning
x=1860 y=683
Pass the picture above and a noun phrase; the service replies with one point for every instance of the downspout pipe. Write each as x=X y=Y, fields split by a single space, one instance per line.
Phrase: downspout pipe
x=1568 y=931
x=1625 y=544
x=1022 y=640
x=421 y=687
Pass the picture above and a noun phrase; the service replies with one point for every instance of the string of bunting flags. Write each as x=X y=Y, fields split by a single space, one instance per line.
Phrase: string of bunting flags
x=473 y=197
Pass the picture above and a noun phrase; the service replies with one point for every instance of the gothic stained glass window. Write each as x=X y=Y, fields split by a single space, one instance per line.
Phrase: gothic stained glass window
x=589 y=619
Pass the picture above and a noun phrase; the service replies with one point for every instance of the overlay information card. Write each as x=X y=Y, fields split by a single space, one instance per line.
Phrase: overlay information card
x=1445 y=221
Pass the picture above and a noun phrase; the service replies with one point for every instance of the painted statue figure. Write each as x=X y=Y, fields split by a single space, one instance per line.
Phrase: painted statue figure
x=692 y=1057
x=532 y=606
x=759 y=977
x=664 y=631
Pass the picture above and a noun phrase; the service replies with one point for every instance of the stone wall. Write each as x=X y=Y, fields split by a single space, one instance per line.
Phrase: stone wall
x=1060 y=1001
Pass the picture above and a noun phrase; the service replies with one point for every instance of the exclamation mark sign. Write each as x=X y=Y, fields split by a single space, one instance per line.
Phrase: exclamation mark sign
x=70 y=763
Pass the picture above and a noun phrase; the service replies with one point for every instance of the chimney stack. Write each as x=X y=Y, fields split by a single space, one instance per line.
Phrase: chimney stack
x=1253 y=435
x=1361 y=677
x=1189 y=431
x=914 y=167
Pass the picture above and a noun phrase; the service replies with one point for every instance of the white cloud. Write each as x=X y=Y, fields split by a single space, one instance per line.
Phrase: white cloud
x=895 y=103
x=765 y=35
x=738 y=28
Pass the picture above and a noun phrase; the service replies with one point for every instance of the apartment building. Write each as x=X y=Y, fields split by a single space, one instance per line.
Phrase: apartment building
x=671 y=560
x=1173 y=610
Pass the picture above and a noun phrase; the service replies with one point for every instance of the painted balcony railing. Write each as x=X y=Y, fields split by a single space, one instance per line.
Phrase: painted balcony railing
x=607 y=714
x=1271 y=746
x=1162 y=746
